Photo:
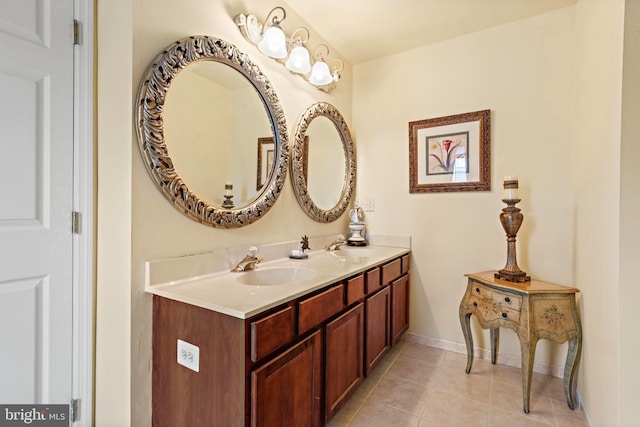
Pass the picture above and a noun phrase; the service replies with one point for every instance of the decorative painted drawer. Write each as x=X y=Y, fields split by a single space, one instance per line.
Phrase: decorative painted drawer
x=490 y=312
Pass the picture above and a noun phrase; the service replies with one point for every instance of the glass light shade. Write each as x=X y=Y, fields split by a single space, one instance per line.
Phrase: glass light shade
x=320 y=74
x=273 y=43
x=298 y=61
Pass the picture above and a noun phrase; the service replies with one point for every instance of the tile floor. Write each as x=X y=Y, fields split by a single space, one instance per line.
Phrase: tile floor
x=421 y=386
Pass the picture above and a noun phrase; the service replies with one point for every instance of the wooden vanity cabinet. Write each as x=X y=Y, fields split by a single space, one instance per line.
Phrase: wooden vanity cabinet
x=400 y=302
x=386 y=308
x=344 y=344
x=289 y=387
x=399 y=308
x=295 y=364
x=378 y=322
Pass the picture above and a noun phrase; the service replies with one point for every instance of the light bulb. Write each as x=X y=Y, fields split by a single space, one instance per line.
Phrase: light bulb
x=298 y=61
x=273 y=43
x=320 y=74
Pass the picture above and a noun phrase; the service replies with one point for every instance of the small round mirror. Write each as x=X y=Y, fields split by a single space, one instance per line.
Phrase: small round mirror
x=323 y=166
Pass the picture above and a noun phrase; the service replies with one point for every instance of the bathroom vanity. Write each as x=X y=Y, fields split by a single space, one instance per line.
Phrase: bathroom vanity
x=286 y=344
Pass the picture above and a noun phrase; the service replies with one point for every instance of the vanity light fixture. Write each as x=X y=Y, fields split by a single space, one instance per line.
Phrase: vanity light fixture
x=291 y=51
x=321 y=73
x=273 y=41
x=299 y=59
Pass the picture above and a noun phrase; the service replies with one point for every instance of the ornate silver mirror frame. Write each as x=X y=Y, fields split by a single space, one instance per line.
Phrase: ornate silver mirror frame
x=298 y=173
x=151 y=139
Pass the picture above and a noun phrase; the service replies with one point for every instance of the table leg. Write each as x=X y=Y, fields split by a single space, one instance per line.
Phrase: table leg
x=495 y=338
x=570 y=371
x=465 y=322
x=528 y=353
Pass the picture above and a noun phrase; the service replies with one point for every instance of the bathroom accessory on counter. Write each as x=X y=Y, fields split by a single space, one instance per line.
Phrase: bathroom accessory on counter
x=304 y=246
x=249 y=261
x=357 y=227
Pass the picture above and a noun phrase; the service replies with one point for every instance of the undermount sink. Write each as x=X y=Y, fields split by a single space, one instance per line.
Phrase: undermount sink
x=356 y=251
x=277 y=276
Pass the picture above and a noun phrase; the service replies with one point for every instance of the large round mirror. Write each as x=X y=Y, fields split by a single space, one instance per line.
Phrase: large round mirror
x=323 y=166
x=212 y=132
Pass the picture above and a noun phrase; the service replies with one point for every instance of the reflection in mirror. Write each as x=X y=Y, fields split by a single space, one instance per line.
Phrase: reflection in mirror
x=323 y=136
x=203 y=106
x=214 y=121
x=325 y=151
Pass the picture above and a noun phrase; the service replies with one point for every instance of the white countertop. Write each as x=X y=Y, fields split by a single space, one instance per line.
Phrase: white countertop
x=224 y=293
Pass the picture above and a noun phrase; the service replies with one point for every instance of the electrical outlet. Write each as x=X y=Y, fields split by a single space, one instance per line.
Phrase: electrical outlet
x=370 y=205
x=189 y=355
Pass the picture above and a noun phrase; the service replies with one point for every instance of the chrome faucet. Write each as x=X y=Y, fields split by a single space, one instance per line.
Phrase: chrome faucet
x=249 y=261
x=335 y=245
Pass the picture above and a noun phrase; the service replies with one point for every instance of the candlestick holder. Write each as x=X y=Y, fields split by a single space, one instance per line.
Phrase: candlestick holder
x=511 y=219
x=228 y=202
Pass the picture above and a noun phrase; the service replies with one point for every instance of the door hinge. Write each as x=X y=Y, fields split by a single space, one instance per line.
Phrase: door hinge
x=76 y=31
x=76 y=217
x=74 y=410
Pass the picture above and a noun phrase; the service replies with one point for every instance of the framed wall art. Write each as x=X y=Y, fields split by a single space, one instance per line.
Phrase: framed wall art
x=265 y=159
x=451 y=153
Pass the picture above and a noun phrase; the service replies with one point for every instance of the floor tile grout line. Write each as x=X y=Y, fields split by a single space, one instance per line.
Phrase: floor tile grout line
x=382 y=375
x=491 y=413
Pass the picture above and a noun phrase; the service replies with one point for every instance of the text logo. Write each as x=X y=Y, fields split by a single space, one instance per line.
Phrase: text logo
x=34 y=415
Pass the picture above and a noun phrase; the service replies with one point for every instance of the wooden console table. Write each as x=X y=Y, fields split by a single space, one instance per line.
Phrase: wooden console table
x=534 y=310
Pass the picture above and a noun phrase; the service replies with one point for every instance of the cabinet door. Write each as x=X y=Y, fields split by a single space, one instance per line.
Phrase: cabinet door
x=343 y=358
x=399 y=308
x=377 y=335
x=287 y=390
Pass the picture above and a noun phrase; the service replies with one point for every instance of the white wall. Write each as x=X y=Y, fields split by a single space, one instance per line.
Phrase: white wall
x=554 y=85
x=596 y=188
x=113 y=247
x=524 y=73
x=629 y=347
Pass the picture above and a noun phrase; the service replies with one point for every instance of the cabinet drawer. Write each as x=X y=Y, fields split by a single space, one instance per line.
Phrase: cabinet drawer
x=493 y=312
x=405 y=264
x=315 y=310
x=497 y=297
x=391 y=271
x=372 y=280
x=271 y=332
x=355 y=289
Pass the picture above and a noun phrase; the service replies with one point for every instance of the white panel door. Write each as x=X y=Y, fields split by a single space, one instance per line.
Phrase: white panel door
x=36 y=173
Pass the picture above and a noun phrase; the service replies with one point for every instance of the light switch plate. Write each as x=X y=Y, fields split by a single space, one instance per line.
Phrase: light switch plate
x=189 y=355
x=370 y=205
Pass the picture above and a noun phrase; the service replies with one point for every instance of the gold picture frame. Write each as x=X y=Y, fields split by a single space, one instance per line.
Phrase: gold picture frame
x=451 y=153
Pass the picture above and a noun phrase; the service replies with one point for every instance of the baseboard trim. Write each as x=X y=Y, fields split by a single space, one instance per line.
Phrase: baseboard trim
x=481 y=353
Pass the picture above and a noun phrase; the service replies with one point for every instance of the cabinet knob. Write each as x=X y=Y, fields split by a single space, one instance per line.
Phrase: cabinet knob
x=475 y=304
x=478 y=290
x=507 y=299
x=504 y=315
